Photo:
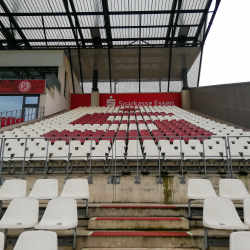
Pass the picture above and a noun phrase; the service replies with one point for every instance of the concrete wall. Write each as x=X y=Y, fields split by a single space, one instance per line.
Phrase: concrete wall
x=228 y=102
x=52 y=100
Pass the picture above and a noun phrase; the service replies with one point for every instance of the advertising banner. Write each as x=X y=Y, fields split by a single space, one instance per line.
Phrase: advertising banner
x=140 y=99
x=128 y=99
x=22 y=86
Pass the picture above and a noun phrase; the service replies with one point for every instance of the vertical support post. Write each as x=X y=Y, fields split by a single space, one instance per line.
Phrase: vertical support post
x=24 y=156
x=2 y=156
x=90 y=179
x=71 y=70
x=137 y=178
x=67 y=167
x=140 y=54
x=182 y=178
x=80 y=67
x=159 y=179
x=204 y=157
x=46 y=160
x=229 y=152
x=169 y=68
x=159 y=86
x=228 y=164
x=110 y=77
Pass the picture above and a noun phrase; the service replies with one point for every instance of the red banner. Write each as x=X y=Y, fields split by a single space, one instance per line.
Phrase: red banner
x=80 y=100
x=129 y=99
x=141 y=99
x=22 y=86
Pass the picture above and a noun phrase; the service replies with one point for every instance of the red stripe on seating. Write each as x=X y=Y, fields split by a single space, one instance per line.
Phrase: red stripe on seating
x=141 y=233
x=139 y=218
x=138 y=206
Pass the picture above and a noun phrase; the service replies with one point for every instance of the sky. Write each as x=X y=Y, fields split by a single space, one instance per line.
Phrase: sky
x=227 y=48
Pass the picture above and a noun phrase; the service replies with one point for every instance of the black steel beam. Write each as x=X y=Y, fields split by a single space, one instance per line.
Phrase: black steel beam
x=66 y=6
x=44 y=32
x=80 y=67
x=171 y=21
x=71 y=70
x=77 y=21
x=140 y=55
x=113 y=27
x=100 y=13
x=102 y=40
x=13 y=21
x=107 y=22
x=8 y=35
x=211 y=20
x=203 y=19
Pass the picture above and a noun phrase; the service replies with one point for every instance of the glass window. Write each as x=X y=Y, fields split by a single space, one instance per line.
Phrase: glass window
x=10 y=103
x=31 y=99
x=12 y=73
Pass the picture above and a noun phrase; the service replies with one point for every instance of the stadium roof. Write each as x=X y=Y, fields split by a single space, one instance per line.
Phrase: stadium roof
x=73 y=23
x=79 y=25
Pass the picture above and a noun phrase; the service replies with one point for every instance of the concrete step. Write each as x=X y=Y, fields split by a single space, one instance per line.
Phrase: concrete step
x=123 y=210
x=141 y=248
x=139 y=223
x=191 y=239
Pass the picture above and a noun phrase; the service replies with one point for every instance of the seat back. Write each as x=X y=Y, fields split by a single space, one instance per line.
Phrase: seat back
x=76 y=188
x=239 y=240
x=233 y=189
x=38 y=240
x=13 y=189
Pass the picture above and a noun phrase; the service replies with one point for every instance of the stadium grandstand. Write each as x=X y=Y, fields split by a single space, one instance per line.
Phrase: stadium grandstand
x=106 y=139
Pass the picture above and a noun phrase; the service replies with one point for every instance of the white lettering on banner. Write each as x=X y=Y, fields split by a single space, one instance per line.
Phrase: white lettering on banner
x=110 y=102
x=134 y=103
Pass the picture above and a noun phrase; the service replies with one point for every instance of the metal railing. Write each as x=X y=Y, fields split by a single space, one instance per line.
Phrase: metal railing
x=9 y=118
x=225 y=156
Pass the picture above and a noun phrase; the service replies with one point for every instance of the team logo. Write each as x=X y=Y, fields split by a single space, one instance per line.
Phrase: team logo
x=110 y=102
x=24 y=86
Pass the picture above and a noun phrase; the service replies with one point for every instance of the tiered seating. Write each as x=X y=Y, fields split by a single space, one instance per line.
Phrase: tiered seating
x=220 y=212
x=60 y=214
x=163 y=135
x=7 y=121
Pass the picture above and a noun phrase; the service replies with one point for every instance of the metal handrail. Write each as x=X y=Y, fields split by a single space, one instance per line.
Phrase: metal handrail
x=228 y=156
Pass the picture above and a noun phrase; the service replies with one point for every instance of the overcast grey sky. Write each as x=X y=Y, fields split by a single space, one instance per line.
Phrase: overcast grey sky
x=227 y=49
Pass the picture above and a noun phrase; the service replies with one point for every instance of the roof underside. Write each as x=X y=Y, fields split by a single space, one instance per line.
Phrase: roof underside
x=89 y=23
x=126 y=40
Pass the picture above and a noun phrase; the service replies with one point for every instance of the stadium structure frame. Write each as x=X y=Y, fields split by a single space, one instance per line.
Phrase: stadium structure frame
x=106 y=24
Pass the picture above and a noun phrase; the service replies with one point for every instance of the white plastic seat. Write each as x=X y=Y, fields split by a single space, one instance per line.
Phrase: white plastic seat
x=13 y=189
x=221 y=214
x=233 y=189
x=239 y=241
x=44 y=189
x=60 y=214
x=20 y=214
x=38 y=240
x=199 y=189
x=77 y=189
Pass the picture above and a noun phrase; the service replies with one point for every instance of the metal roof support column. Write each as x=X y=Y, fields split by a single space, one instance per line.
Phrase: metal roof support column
x=71 y=70
x=80 y=67
x=169 y=67
x=199 y=73
x=44 y=32
x=211 y=20
x=140 y=56
x=110 y=81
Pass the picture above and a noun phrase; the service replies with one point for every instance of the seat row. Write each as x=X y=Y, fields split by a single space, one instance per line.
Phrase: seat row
x=45 y=189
